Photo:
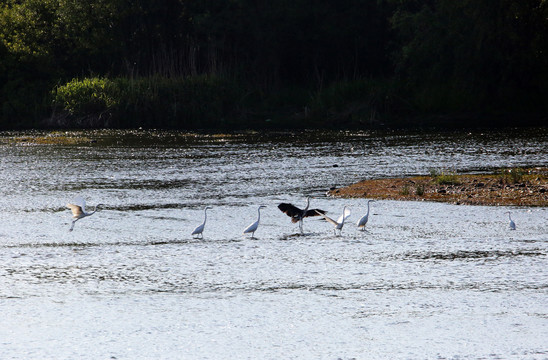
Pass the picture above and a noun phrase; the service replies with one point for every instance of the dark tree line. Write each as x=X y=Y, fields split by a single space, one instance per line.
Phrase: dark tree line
x=440 y=56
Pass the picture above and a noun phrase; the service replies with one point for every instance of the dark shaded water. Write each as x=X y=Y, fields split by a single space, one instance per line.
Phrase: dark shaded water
x=425 y=280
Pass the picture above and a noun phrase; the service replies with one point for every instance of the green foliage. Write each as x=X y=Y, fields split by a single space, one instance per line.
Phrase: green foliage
x=86 y=96
x=473 y=55
x=512 y=176
x=337 y=64
x=444 y=178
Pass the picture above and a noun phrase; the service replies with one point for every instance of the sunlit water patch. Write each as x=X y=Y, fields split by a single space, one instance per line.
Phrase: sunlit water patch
x=425 y=280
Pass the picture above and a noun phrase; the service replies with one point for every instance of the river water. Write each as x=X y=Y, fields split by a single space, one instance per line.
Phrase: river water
x=426 y=280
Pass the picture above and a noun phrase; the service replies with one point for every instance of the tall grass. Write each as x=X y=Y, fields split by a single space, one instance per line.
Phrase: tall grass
x=359 y=101
x=190 y=102
x=208 y=101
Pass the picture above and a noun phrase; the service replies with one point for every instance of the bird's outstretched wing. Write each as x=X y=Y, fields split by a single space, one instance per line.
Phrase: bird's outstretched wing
x=79 y=201
x=314 y=212
x=76 y=210
x=290 y=210
x=327 y=218
x=344 y=216
x=294 y=212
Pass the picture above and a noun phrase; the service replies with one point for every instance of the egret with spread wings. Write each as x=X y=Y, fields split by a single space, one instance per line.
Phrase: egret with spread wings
x=297 y=215
x=78 y=208
x=340 y=221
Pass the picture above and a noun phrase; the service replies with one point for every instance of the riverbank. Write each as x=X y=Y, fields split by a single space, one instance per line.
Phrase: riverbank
x=509 y=187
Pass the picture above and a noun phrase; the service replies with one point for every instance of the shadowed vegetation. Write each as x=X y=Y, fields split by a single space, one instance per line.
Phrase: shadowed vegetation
x=241 y=63
x=199 y=101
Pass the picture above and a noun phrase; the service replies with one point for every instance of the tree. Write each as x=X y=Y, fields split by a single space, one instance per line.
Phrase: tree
x=484 y=54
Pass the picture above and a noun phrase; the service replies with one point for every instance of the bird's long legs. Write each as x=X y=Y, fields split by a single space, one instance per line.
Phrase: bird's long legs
x=72 y=226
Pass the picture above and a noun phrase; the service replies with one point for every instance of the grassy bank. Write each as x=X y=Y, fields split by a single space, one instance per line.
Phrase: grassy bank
x=520 y=187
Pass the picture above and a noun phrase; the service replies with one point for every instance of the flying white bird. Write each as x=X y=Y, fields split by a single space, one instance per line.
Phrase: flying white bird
x=512 y=223
x=340 y=221
x=200 y=229
x=363 y=221
x=78 y=208
x=253 y=227
x=297 y=214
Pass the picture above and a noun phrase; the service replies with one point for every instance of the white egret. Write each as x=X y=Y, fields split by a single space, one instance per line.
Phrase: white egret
x=200 y=229
x=512 y=223
x=253 y=227
x=340 y=221
x=78 y=208
x=363 y=221
x=297 y=214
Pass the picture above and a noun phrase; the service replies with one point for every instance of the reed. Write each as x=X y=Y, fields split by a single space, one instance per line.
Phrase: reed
x=358 y=101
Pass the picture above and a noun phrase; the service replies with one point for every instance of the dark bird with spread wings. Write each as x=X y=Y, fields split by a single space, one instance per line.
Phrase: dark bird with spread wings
x=297 y=215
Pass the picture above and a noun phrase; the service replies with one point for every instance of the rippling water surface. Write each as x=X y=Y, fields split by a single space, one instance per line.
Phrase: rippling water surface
x=426 y=280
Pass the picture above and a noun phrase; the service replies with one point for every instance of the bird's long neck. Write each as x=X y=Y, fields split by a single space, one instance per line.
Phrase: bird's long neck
x=205 y=215
x=368 y=207
x=509 y=217
x=307 y=205
x=94 y=210
x=258 y=214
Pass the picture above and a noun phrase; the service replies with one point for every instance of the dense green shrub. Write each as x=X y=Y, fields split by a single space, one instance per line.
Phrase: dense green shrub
x=87 y=96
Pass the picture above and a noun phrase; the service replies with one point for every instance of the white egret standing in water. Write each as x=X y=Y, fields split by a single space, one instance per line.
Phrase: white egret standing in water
x=78 y=208
x=200 y=229
x=340 y=221
x=512 y=223
x=253 y=227
x=297 y=214
x=363 y=221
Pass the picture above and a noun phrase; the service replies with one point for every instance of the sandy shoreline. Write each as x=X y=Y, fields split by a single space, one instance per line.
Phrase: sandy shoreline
x=510 y=187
